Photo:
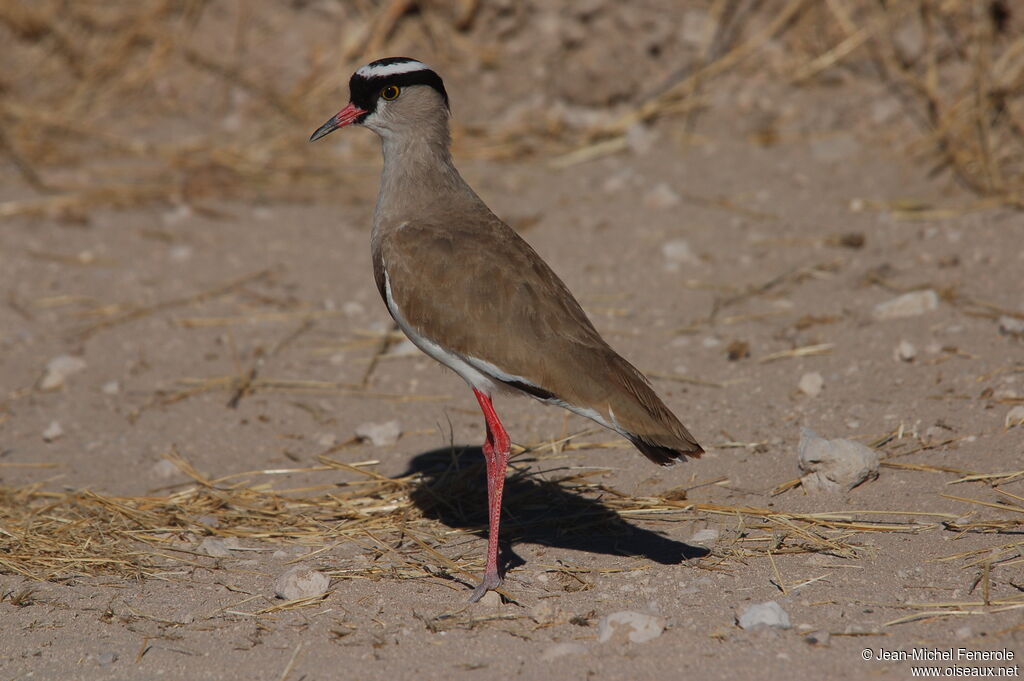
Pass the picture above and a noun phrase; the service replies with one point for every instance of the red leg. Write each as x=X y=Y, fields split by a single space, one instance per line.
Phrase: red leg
x=496 y=451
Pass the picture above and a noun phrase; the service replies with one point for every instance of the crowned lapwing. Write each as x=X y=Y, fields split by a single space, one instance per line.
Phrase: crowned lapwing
x=471 y=293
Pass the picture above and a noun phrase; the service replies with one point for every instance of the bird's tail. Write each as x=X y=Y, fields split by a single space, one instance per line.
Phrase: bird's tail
x=651 y=426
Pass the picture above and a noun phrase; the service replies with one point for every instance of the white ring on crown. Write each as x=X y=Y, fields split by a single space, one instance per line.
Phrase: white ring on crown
x=371 y=71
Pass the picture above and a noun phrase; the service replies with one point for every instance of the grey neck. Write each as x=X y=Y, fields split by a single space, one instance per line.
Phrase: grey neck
x=419 y=178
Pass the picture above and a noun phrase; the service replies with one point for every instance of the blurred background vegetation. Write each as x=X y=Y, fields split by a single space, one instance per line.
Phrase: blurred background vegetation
x=115 y=103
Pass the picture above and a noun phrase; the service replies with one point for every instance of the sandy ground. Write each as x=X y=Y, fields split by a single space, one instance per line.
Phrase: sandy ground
x=683 y=248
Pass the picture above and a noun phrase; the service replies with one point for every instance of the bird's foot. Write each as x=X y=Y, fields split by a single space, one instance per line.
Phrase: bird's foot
x=490 y=582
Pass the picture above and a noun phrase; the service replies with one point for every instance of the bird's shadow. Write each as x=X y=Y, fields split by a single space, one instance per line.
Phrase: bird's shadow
x=453 y=490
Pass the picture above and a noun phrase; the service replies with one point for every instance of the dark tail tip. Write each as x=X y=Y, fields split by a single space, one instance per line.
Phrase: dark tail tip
x=665 y=456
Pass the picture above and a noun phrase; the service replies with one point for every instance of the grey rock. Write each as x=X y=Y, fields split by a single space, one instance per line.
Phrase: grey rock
x=704 y=537
x=58 y=370
x=491 y=599
x=636 y=626
x=662 y=196
x=105 y=659
x=1011 y=326
x=679 y=251
x=911 y=304
x=1014 y=417
x=380 y=434
x=768 y=614
x=819 y=638
x=834 y=465
x=301 y=582
x=52 y=432
x=905 y=352
x=165 y=469
x=811 y=384
x=213 y=547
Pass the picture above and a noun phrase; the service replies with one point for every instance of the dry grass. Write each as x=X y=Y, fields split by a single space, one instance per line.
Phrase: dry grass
x=84 y=112
x=415 y=526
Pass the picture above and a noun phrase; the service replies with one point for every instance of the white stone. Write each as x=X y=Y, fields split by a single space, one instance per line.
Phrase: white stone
x=165 y=469
x=768 y=614
x=910 y=304
x=637 y=627
x=111 y=388
x=706 y=536
x=1015 y=417
x=834 y=465
x=380 y=434
x=59 y=369
x=53 y=432
x=905 y=352
x=694 y=30
x=662 y=196
x=301 y=582
x=678 y=250
x=811 y=384
x=491 y=599
x=640 y=138
x=214 y=547
x=1011 y=326
x=180 y=253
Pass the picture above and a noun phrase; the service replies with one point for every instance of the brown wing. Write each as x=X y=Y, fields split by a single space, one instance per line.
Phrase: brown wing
x=488 y=294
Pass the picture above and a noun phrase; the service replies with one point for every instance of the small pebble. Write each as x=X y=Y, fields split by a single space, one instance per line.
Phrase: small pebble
x=640 y=138
x=59 y=369
x=165 y=469
x=180 y=253
x=111 y=388
x=705 y=537
x=905 y=352
x=1015 y=417
x=1011 y=326
x=380 y=434
x=491 y=599
x=811 y=384
x=106 y=659
x=213 y=547
x=53 y=432
x=819 y=638
x=637 y=627
x=545 y=612
x=301 y=582
x=768 y=614
x=662 y=196
x=911 y=304
x=678 y=251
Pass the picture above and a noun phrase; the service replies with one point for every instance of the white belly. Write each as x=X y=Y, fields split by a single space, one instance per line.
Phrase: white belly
x=470 y=374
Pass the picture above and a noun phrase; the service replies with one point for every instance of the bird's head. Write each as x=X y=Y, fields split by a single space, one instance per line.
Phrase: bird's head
x=390 y=94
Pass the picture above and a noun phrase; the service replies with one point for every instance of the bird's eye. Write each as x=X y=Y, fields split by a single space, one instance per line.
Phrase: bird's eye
x=390 y=92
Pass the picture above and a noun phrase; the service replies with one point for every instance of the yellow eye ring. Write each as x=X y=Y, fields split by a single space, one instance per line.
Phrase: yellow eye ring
x=390 y=92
